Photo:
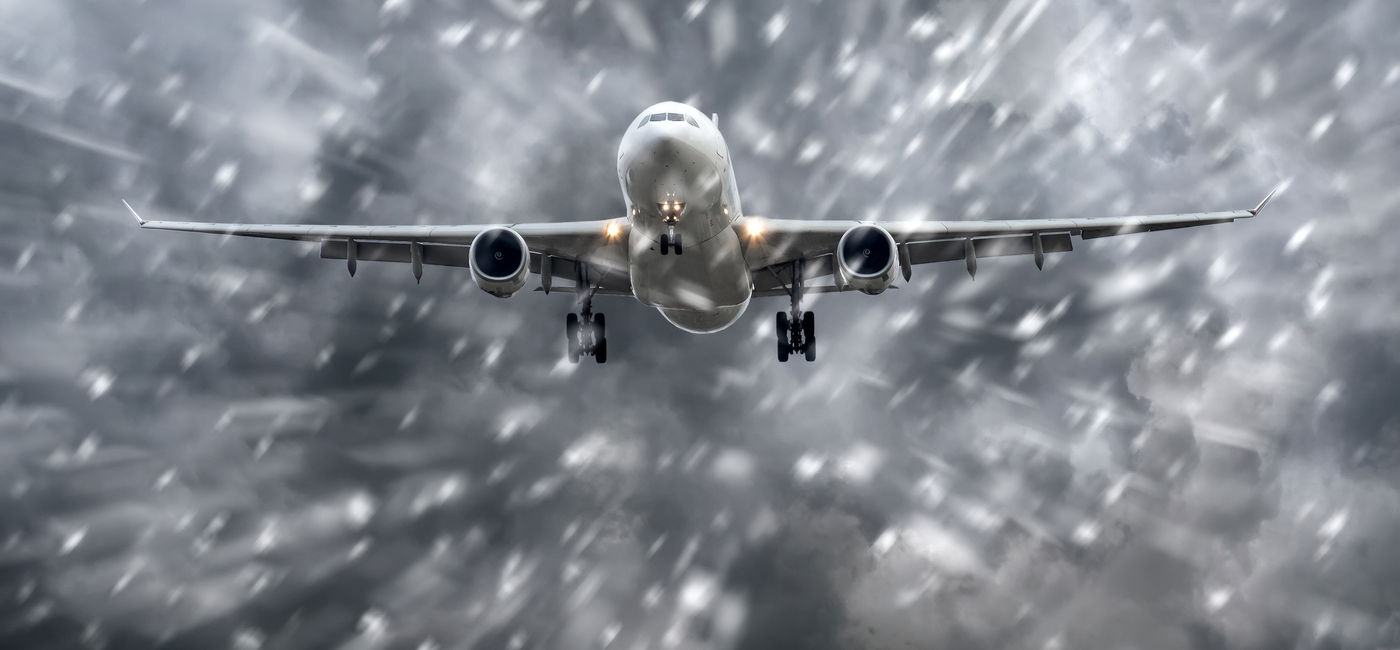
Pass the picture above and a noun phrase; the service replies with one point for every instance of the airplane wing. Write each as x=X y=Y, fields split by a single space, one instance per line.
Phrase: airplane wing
x=557 y=250
x=772 y=245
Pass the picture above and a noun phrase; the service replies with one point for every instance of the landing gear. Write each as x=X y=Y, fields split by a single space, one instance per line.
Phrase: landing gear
x=587 y=336
x=797 y=332
x=797 y=336
x=586 y=332
x=669 y=239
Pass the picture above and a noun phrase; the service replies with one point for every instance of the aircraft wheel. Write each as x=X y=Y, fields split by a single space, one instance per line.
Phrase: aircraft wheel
x=809 y=335
x=784 y=349
x=571 y=334
x=783 y=326
x=677 y=243
x=600 y=351
x=665 y=244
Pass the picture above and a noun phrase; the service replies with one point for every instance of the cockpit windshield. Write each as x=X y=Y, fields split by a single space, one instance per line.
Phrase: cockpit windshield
x=667 y=117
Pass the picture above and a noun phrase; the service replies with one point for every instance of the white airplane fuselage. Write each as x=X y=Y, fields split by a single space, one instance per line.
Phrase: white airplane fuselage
x=678 y=183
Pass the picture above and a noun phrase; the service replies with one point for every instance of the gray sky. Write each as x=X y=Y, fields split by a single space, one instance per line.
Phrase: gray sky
x=1182 y=440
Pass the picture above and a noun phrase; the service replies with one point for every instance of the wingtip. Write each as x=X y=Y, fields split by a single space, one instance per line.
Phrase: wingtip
x=1260 y=208
x=139 y=220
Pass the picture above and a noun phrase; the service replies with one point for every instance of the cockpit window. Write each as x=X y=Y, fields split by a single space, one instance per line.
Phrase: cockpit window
x=668 y=117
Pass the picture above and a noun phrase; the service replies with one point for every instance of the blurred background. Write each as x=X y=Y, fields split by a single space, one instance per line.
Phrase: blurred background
x=1181 y=440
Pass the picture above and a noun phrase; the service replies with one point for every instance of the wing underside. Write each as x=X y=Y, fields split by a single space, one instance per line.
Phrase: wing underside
x=567 y=250
x=774 y=245
x=607 y=279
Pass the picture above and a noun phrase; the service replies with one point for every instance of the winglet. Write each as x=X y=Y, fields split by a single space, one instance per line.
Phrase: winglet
x=1260 y=208
x=139 y=220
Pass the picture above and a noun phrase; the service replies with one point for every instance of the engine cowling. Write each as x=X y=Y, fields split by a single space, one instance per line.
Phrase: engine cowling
x=500 y=262
x=866 y=259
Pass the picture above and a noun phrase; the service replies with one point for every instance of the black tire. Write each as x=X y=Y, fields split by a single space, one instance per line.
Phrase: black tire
x=571 y=335
x=665 y=244
x=677 y=243
x=784 y=346
x=809 y=335
x=600 y=351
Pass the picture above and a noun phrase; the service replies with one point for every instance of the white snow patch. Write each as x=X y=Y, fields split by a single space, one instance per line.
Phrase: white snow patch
x=1321 y=127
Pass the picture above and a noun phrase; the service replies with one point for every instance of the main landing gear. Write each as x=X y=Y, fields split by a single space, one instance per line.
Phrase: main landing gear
x=587 y=335
x=586 y=332
x=797 y=332
x=797 y=336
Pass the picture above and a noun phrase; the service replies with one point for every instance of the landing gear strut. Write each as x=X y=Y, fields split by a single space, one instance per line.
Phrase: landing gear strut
x=797 y=332
x=586 y=332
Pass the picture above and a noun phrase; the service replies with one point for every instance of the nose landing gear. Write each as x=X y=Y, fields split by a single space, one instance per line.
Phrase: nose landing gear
x=669 y=239
x=798 y=332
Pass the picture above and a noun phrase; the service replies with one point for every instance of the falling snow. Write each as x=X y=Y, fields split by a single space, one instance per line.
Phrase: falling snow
x=1183 y=439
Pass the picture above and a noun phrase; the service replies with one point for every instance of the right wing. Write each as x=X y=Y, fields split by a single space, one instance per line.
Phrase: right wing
x=597 y=248
x=772 y=244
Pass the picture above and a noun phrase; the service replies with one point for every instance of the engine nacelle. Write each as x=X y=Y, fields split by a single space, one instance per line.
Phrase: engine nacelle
x=500 y=262
x=866 y=259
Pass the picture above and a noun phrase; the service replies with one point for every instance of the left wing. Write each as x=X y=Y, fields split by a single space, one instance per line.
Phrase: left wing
x=772 y=244
x=565 y=250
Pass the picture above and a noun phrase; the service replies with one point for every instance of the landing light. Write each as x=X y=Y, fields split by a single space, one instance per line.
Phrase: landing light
x=671 y=210
x=613 y=230
x=753 y=227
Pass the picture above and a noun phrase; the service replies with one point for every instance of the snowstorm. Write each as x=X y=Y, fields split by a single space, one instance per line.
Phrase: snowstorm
x=1186 y=439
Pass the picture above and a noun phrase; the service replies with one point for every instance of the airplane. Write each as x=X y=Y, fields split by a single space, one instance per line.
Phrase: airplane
x=685 y=247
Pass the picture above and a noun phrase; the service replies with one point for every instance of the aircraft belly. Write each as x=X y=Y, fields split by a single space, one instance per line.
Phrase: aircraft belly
x=705 y=289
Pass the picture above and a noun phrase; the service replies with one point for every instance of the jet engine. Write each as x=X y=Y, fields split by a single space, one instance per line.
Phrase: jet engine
x=866 y=259
x=500 y=262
